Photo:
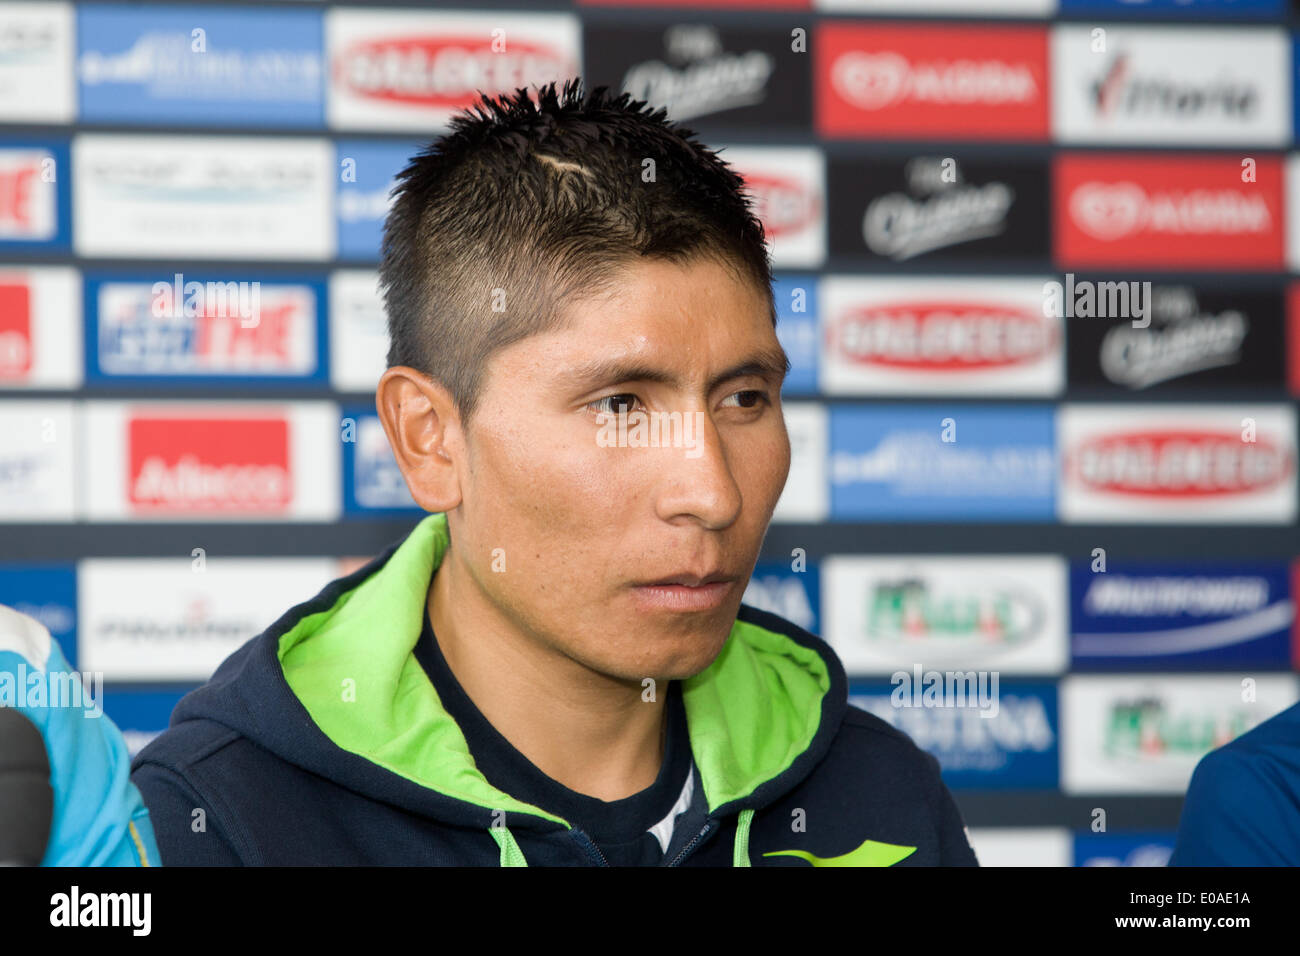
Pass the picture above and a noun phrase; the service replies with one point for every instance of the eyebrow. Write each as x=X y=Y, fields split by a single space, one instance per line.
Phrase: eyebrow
x=771 y=363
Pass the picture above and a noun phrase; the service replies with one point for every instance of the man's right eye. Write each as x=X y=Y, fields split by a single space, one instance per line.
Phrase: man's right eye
x=619 y=404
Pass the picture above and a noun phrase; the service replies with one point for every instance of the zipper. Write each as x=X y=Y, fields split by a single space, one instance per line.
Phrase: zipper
x=708 y=829
x=591 y=849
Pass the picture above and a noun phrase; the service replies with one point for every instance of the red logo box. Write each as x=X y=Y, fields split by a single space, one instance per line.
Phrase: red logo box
x=917 y=81
x=1169 y=211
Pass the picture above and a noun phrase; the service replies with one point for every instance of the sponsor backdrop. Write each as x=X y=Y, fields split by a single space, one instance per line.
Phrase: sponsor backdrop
x=1035 y=272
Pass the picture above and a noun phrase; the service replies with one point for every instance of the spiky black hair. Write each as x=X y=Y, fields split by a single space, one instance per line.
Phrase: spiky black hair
x=527 y=205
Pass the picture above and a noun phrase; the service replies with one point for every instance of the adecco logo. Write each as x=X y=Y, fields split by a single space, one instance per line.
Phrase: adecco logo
x=209 y=464
x=1179 y=462
x=941 y=335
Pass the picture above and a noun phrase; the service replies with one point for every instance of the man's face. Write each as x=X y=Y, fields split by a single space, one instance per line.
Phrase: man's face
x=584 y=528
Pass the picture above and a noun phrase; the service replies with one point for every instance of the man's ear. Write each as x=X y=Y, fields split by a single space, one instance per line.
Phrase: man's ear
x=423 y=428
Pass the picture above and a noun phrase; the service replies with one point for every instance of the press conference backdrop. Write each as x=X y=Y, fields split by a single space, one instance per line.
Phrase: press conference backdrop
x=1034 y=271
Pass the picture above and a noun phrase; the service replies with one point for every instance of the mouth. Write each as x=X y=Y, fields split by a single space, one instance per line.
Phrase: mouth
x=685 y=592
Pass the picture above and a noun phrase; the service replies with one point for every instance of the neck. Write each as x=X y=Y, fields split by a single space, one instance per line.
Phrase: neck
x=587 y=731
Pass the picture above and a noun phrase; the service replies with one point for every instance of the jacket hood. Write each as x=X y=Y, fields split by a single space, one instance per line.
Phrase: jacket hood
x=334 y=687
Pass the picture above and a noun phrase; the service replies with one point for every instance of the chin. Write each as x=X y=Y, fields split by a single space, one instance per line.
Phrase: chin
x=686 y=662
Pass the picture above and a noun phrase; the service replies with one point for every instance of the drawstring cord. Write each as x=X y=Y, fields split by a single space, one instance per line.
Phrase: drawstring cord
x=511 y=855
x=740 y=853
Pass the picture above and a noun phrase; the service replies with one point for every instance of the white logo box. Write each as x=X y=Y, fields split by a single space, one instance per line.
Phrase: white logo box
x=976 y=8
x=1081 y=501
x=1022 y=846
x=517 y=65
x=207 y=197
x=794 y=217
x=358 y=330
x=1041 y=375
x=1178 y=705
x=1218 y=61
x=314 y=459
x=806 y=496
x=38 y=457
x=36 y=63
x=1035 y=586
x=162 y=619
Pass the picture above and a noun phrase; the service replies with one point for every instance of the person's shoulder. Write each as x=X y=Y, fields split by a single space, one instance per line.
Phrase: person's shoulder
x=1269 y=752
x=1242 y=806
x=877 y=742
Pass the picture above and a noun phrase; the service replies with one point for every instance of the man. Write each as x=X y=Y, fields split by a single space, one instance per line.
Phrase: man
x=66 y=797
x=1243 y=802
x=555 y=667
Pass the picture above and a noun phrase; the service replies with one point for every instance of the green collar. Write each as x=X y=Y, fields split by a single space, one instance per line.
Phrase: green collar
x=750 y=714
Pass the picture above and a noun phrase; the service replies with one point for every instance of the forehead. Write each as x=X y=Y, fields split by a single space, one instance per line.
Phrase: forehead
x=701 y=299
x=654 y=320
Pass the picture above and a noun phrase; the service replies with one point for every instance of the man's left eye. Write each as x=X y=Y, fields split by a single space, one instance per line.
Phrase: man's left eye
x=754 y=398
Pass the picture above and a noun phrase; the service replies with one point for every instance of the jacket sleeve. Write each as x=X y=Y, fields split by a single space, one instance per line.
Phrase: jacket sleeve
x=188 y=832
x=954 y=842
x=1234 y=814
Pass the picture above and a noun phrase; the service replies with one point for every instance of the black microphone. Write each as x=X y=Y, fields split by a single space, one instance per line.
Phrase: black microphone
x=26 y=797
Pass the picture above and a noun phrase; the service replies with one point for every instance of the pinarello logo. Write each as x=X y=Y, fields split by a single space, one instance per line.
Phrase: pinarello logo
x=1179 y=462
x=445 y=71
x=1171 y=211
x=15 y=330
x=941 y=335
x=935 y=81
x=209 y=464
x=784 y=205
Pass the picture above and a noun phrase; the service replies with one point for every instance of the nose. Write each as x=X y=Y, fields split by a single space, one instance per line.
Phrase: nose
x=696 y=480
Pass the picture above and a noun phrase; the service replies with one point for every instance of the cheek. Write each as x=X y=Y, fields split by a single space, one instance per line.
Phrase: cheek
x=546 y=485
x=762 y=465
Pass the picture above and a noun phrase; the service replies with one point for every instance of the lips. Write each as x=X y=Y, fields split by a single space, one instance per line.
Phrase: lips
x=690 y=580
x=685 y=593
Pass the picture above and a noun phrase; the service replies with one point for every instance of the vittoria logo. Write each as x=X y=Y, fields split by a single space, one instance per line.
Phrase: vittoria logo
x=445 y=71
x=1179 y=462
x=941 y=335
x=784 y=205
x=1122 y=89
x=209 y=464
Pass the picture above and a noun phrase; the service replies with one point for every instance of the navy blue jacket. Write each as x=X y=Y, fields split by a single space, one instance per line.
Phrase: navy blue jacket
x=321 y=741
